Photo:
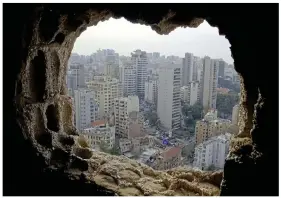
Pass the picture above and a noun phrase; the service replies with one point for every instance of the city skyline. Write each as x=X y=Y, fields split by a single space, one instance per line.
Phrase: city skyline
x=143 y=106
x=125 y=37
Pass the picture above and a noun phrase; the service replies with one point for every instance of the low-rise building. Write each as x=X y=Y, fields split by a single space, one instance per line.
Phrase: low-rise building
x=135 y=145
x=125 y=145
x=166 y=159
x=212 y=152
x=210 y=126
x=171 y=158
x=145 y=156
x=100 y=132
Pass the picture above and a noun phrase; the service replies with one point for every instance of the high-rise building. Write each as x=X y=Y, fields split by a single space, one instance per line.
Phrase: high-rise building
x=111 y=67
x=107 y=89
x=76 y=77
x=222 y=66
x=187 y=69
x=155 y=55
x=209 y=83
x=229 y=72
x=149 y=56
x=197 y=66
x=168 y=104
x=86 y=108
x=236 y=77
x=190 y=93
x=151 y=90
x=139 y=59
x=212 y=152
x=74 y=58
x=128 y=78
x=235 y=114
x=122 y=108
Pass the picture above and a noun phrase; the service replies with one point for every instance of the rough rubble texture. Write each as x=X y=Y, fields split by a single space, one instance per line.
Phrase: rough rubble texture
x=42 y=145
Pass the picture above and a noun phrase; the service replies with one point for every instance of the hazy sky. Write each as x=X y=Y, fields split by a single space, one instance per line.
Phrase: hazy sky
x=125 y=37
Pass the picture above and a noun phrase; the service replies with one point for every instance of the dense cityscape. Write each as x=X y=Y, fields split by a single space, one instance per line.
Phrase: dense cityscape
x=163 y=111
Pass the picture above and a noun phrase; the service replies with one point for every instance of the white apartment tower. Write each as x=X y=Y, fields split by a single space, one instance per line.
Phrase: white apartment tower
x=151 y=90
x=187 y=69
x=168 y=104
x=86 y=108
x=140 y=60
x=111 y=66
x=190 y=93
x=107 y=89
x=128 y=78
x=122 y=108
x=75 y=77
x=197 y=64
x=209 y=83
x=235 y=113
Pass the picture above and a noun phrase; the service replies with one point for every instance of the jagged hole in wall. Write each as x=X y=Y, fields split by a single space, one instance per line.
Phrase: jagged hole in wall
x=158 y=99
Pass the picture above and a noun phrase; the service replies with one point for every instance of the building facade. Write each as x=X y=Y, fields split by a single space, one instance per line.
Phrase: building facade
x=235 y=114
x=168 y=104
x=166 y=159
x=75 y=77
x=128 y=78
x=100 y=133
x=140 y=61
x=210 y=126
x=86 y=108
x=151 y=91
x=125 y=145
x=190 y=93
x=209 y=83
x=187 y=69
x=212 y=152
x=222 y=66
x=107 y=89
x=197 y=65
x=122 y=108
x=111 y=66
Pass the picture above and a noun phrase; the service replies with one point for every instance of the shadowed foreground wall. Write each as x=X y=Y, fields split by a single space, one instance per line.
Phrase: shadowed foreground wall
x=42 y=154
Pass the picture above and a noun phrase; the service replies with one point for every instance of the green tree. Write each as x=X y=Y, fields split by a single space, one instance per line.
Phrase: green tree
x=191 y=115
x=225 y=103
x=195 y=111
x=151 y=117
x=104 y=147
x=115 y=150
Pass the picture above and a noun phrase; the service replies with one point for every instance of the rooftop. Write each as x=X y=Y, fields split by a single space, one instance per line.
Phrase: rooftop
x=223 y=137
x=144 y=156
x=171 y=152
x=98 y=123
